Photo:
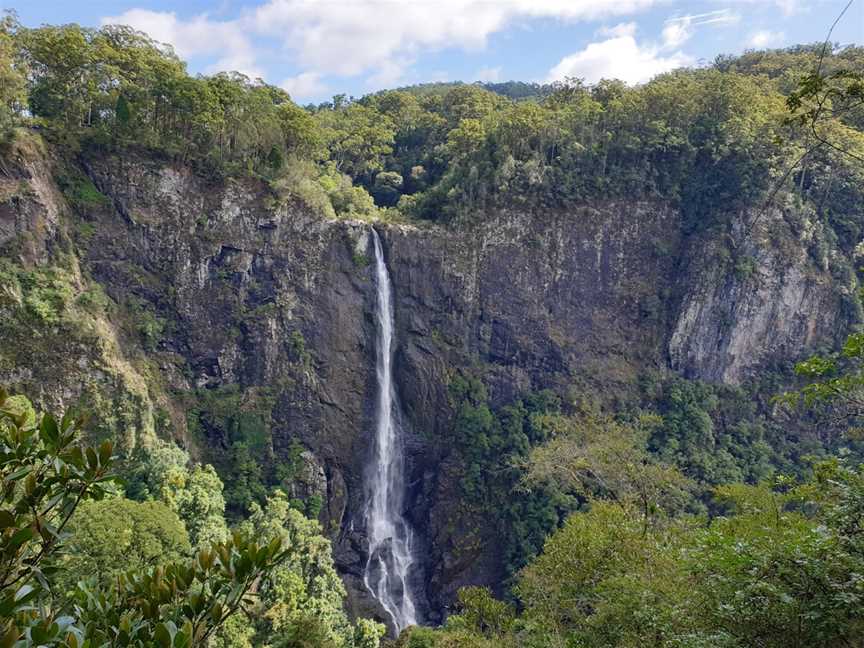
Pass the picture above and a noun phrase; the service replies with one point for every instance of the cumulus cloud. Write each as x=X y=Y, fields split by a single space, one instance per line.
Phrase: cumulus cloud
x=764 y=38
x=676 y=33
x=619 y=57
x=369 y=32
x=198 y=36
x=389 y=74
x=305 y=85
x=353 y=37
x=622 y=56
x=789 y=7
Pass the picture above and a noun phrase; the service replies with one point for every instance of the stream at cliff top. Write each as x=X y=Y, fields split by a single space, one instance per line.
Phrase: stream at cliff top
x=390 y=537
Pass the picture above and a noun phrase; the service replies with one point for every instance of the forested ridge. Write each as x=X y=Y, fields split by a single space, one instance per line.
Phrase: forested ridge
x=684 y=514
x=712 y=139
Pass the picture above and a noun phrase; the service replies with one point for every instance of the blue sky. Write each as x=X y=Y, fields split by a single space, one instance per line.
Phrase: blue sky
x=317 y=48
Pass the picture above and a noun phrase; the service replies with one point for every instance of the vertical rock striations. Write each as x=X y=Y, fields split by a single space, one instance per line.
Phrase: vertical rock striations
x=241 y=291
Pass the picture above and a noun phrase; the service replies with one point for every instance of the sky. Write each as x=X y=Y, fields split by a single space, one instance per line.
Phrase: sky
x=318 y=48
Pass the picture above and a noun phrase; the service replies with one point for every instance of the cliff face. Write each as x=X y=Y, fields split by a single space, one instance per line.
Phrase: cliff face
x=268 y=298
x=771 y=289
x=529 y=301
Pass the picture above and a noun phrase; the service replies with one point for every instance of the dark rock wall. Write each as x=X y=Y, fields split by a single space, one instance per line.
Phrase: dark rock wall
x=267 y=295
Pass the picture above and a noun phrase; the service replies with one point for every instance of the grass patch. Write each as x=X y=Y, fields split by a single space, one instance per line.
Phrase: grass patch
x=80 y=191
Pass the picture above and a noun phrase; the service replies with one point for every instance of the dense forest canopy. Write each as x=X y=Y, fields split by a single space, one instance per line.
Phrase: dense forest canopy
x=711 y=139
x=682 y=520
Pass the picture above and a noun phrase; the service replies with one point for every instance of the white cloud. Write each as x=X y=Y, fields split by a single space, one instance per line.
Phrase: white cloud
x=621 y=29
x=764 y=38
x=307 y=85
x=618 y=57
x=621 y=56
x=678 y=30
x=389 y=74
x=198 y=36
x=488 y=74
x=369 y=33
x=351 y=37
x=789 y=7
x=676 y=33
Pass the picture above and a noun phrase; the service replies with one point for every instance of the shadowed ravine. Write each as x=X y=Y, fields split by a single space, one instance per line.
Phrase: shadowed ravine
x=390 y=537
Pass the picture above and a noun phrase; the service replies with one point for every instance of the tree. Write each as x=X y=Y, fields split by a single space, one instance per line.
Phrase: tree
x=770 y=576
x=780 y=567
x=116 y=535
x=303 y=598
x=164 y=472
x=418 y=132
x=686 y=436
x=179 y=604
x=469 y=102
x=482 y=613
x=822 y=100
x=835 y=391
x=122 y=110
x=387 y=188
x=491 y=447
x=45 y=477
x=599 y=458
x=823 y=96
x=602 y=581
x=300 y=131
x=12 y=88
x=357 y=138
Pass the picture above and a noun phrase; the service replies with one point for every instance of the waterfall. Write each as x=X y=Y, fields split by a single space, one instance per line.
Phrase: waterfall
x=390 y=537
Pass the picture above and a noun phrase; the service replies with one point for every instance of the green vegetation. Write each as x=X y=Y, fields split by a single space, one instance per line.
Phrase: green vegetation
x=710 y=140
x=305 y=595
x=691 y=437
x=777 y=568
x=149 y=326
x=238 y=423
x=684 y=519
x=713 y=433
x=81 y=192
x=140 y=535
x=491 y=445
x=12 y=87
x=44 y=295
x=52 y=318
x=193 y=492
x=777 y=563
x=81 y=565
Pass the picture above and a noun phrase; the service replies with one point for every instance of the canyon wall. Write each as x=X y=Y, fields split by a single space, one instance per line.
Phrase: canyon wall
x=259 y=294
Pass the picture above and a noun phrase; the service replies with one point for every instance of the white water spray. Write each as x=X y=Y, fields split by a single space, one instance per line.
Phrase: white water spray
x=390 y=537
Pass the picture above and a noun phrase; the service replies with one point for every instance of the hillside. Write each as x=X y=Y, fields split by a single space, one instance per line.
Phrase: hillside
x=190 y=258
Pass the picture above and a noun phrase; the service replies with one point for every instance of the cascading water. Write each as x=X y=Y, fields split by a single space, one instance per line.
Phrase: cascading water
x=390 y=536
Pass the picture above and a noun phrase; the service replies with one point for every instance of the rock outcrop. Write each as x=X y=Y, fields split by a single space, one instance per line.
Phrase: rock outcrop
x=265 y=295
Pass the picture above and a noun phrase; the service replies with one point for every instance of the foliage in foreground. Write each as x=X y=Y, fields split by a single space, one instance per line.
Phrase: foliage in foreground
x=781 y=564
x=65 y=533
x=782 y=568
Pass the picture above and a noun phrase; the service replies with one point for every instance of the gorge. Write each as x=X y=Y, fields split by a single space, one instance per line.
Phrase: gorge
x=362 y=322
x=273 y=308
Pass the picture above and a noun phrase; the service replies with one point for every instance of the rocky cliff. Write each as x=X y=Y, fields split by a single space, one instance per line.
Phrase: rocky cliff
x=161 y=290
